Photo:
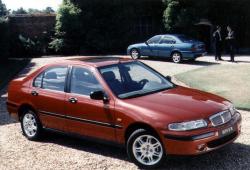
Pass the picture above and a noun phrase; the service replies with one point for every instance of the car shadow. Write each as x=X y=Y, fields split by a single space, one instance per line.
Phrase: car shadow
x=197 y=62
x=233 y=156
x=85 y=145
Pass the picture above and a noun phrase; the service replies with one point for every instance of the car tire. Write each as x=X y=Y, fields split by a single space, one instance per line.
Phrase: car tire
x=135 y=54
x=176 y=57
x=31 y=126
x=145 y=149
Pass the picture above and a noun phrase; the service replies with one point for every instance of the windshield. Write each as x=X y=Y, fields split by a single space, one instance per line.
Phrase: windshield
x=133 y=79
x=185 y=38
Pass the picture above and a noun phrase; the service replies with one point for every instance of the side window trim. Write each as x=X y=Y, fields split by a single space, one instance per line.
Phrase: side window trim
x=68 y=80
x=34 y=80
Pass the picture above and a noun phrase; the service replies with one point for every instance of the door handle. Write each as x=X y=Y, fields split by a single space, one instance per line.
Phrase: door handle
x=73 y=100
x=34 y=93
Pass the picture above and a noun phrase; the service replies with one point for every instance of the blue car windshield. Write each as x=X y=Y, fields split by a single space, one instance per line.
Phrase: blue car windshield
x=133 y=79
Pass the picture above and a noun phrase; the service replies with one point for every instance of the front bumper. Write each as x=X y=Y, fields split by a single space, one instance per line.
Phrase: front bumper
x=206 y=140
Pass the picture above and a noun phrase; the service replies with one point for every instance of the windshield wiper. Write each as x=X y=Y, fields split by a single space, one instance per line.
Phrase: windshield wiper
x=146 y=93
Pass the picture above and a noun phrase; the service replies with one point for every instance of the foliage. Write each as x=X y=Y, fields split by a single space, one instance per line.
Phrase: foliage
x=104 y=26
x=181 y=15
x=4 y=38
x=47 y=10
x=68 y=28
x=3 y=9
x=28 y=47
x=19 y=11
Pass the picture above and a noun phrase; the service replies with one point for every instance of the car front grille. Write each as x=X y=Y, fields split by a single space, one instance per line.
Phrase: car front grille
x=220 y=118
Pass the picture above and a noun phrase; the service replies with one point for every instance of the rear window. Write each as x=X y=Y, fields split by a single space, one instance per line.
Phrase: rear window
x=185 y=38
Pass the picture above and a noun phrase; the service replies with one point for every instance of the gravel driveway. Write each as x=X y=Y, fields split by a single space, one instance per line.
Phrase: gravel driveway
x=58 y=151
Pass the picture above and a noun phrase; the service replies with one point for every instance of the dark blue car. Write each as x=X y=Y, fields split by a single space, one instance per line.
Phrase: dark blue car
x=177 y=46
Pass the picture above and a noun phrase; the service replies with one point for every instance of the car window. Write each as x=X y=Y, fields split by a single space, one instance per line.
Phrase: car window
x=54 y=78
x=83 y=81
x=38 y=81
x=167 y=40
x=184 y=38
x=154 y=40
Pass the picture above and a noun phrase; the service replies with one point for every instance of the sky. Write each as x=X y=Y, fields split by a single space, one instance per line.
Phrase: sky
x=37 y=4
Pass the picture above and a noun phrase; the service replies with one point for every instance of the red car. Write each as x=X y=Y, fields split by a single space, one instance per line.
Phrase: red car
x=125 y=102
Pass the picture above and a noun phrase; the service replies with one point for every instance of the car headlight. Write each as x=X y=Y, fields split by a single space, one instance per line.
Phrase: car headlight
x=232 y=110
x=184 y=126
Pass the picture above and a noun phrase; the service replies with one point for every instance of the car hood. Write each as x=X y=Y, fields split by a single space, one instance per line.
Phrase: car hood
x=180 y=104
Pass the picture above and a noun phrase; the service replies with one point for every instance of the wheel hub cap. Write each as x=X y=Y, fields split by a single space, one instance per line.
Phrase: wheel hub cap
x=147 y=150
x=29 y=125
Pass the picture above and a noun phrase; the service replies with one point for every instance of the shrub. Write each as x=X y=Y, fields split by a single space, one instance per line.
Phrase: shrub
x=4 y=38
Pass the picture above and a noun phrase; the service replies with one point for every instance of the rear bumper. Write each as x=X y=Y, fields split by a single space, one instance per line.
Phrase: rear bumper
x=12 y=109
x=203 y=142
x=193 y=55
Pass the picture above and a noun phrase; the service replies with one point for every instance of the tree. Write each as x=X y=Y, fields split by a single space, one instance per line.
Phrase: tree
x=181 y=15
x=48 y=10
x=20 y=11
x=104 y=26
x=68 y=29
x=3 y=9
x=33 y=11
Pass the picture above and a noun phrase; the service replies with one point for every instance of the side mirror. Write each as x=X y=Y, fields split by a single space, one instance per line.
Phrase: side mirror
x=99 y=95
x=146 y=42
x=168 y=78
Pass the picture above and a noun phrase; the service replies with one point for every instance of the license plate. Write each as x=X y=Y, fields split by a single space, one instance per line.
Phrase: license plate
x=227 y=131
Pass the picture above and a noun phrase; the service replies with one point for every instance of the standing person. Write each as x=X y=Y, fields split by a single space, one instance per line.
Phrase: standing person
x=230 y=38
x=217 y=43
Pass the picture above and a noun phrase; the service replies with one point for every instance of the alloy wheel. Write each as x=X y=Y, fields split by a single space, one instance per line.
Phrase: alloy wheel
x=29 y=125
x=147 y=150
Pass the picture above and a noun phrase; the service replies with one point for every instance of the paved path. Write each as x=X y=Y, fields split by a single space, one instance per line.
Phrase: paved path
x=60 y=152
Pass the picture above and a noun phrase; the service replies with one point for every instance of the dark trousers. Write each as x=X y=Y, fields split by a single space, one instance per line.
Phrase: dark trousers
x=218 y=51
x=231 y=49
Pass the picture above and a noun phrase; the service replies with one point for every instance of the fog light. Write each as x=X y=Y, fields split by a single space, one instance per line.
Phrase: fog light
x=201 y=147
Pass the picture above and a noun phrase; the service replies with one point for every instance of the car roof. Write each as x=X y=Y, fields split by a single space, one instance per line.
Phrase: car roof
x=94 y=61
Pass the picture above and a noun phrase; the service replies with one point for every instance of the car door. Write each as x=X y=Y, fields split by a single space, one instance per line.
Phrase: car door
x=150 y=48
x=86 y=116
x=166 y=46
x=48 y=96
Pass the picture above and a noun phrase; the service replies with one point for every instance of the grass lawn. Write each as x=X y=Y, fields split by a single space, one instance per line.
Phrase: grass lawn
x=231 y=81
x=10 y=68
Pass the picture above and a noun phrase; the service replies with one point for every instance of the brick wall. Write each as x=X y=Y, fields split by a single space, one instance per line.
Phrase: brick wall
x=32 y=25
